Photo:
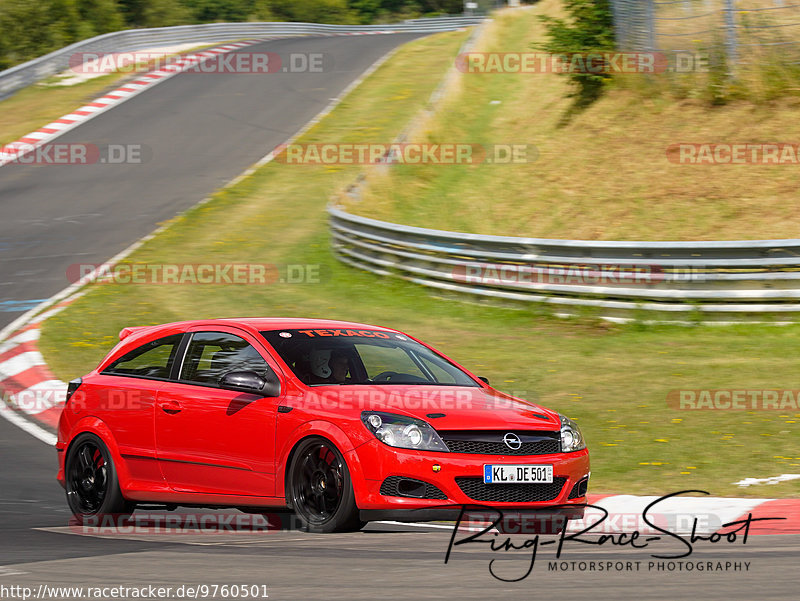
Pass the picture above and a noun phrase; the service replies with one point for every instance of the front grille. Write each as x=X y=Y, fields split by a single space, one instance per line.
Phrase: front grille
x=476 y=490
x=491 y=442
x=398 y=486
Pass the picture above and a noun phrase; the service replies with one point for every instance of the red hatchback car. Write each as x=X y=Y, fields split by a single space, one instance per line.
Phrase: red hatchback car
x=341 y=422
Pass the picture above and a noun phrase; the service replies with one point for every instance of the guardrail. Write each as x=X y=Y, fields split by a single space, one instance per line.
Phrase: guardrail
x=720 y=281
x=131 y=40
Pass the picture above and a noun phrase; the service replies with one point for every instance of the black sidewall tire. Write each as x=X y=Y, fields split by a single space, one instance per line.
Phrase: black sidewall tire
x=346 y=518
x=113 y=503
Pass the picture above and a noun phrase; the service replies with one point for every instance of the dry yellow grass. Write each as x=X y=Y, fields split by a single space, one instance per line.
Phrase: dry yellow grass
x=606 y=174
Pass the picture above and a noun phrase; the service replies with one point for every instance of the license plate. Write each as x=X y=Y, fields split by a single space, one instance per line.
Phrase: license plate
x=517 y=474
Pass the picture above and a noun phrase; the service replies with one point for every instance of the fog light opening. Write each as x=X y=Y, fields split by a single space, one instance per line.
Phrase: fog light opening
x=411 y=488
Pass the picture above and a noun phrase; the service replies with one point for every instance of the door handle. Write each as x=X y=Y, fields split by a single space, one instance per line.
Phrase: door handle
x=171 y=407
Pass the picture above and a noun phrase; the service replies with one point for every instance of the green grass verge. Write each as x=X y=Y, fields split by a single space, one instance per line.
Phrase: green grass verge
x=603 y=176
x=37 y=105
x=612 y=379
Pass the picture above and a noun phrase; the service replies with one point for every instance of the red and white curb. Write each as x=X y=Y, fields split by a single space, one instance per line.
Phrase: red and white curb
x=26 y=382
x=681 y=514
x=14 y=150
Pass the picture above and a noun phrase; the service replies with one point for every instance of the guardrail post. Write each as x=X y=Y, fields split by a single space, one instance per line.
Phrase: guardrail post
x=731 y=43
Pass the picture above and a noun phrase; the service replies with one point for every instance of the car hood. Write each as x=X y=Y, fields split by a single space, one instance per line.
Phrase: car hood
x=456 y=407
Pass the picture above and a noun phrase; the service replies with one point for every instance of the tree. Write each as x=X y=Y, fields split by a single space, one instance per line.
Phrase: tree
x=262 y=11
x=101 y=15
x=164 y=13
x=210 y=11
x=31 y=29
x=590 y=29
x=367 y=10
x=313 y=11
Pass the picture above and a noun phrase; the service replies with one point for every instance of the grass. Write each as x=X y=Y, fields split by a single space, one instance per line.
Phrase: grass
x=613 y=379
x=35 y=106
x=30 y=108
x=603 y=176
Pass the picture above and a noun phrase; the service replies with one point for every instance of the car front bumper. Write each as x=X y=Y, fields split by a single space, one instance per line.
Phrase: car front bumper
x=459 y=478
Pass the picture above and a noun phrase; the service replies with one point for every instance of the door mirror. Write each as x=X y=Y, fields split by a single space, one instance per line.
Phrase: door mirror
x=250 y=381
x=484 y=379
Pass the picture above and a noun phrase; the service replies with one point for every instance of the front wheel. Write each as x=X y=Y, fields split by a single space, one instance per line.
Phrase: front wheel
x=320 y=489
x=91 y=481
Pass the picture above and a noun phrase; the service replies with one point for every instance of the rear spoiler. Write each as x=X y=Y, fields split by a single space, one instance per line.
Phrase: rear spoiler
x=125 y=332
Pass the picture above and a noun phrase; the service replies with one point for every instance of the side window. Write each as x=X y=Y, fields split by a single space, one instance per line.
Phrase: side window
x=151 y=360
x=211 y=355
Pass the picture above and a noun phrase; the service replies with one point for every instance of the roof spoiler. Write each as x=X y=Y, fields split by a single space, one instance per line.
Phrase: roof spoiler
x=125 y=332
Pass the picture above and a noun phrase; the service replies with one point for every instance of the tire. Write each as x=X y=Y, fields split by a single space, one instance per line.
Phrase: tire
x=319 y=488
x=91 y=482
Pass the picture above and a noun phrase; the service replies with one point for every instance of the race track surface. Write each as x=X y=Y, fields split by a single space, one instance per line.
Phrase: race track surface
x=198 y=130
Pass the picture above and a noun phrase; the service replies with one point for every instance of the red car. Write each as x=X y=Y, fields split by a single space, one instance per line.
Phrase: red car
x=341 y=422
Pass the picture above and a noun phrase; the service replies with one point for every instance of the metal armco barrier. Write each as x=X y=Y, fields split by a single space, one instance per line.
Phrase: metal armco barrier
x=756 y=280
x=131 y=40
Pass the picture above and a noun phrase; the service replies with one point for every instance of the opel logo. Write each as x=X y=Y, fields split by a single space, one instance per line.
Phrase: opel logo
x=512 y=441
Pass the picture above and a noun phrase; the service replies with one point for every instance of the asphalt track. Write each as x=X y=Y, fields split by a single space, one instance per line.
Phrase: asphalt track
x=383 y=561
x=202 y=131
x=198 y=131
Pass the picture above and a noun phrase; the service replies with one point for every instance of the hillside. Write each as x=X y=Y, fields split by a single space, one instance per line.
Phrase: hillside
x=610 y=173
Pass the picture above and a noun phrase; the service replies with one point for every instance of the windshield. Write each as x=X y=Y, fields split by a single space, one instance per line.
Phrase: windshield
x=349 y=357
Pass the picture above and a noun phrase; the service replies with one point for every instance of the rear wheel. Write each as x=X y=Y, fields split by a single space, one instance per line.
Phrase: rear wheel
x=320 y=489
x=91 y=481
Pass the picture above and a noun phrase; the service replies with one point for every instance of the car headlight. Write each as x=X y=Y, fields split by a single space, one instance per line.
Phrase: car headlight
x=403 y=432
x=571 y=437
